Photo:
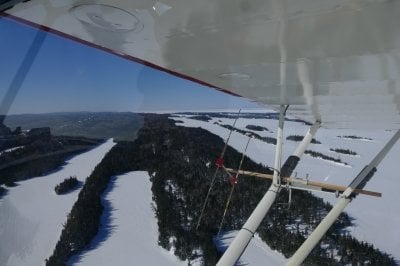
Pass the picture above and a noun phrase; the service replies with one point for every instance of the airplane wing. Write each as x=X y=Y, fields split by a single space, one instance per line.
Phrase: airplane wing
x=336 y=60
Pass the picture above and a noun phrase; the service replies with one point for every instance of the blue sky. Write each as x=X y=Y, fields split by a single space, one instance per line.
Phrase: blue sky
x=69 y=76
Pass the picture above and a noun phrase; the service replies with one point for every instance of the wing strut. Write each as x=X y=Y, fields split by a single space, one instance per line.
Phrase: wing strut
x=22 y=73
x=239 y=244
x=358 y=183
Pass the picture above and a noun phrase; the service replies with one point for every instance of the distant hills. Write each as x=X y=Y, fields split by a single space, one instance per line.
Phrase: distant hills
x=99 y=125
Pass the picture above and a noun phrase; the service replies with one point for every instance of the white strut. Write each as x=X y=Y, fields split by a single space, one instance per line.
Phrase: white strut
x=346 y=197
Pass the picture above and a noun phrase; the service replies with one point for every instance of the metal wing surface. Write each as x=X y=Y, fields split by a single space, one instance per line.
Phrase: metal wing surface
x=334 y=60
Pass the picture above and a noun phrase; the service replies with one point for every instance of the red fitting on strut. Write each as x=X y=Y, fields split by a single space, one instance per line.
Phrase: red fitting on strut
x=233 y=180
x=219 y=162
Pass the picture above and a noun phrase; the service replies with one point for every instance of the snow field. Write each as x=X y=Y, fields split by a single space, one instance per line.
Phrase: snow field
x=129 y=233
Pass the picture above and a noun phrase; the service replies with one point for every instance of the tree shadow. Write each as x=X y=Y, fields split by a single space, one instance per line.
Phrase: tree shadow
x=222 y=241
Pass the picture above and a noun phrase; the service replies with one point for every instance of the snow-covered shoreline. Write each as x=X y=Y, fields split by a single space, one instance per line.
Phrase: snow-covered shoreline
x=32 y=214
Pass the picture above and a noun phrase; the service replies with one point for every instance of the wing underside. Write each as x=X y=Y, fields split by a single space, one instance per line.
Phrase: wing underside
x=338 y=61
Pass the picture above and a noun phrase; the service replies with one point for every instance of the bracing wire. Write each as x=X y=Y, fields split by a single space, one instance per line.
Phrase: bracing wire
x=219 y=164
x=233 y=181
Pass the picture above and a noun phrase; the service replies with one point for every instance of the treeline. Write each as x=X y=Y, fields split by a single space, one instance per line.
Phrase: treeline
x=204 y=118
x=248 y=133
x=66 y=185
x=256 y=128
x=35 y=148
x=44 y=146
x=317 y=154
x=3 y=191
x=34 y=167
x=40 y=157
x=354 y=137
x=300 y=138
x=344 y=151
x=274 y=116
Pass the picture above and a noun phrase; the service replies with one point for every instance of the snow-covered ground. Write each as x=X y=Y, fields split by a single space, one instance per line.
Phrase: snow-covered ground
x=129 y=233
x=377 y=220
x=32 y=214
